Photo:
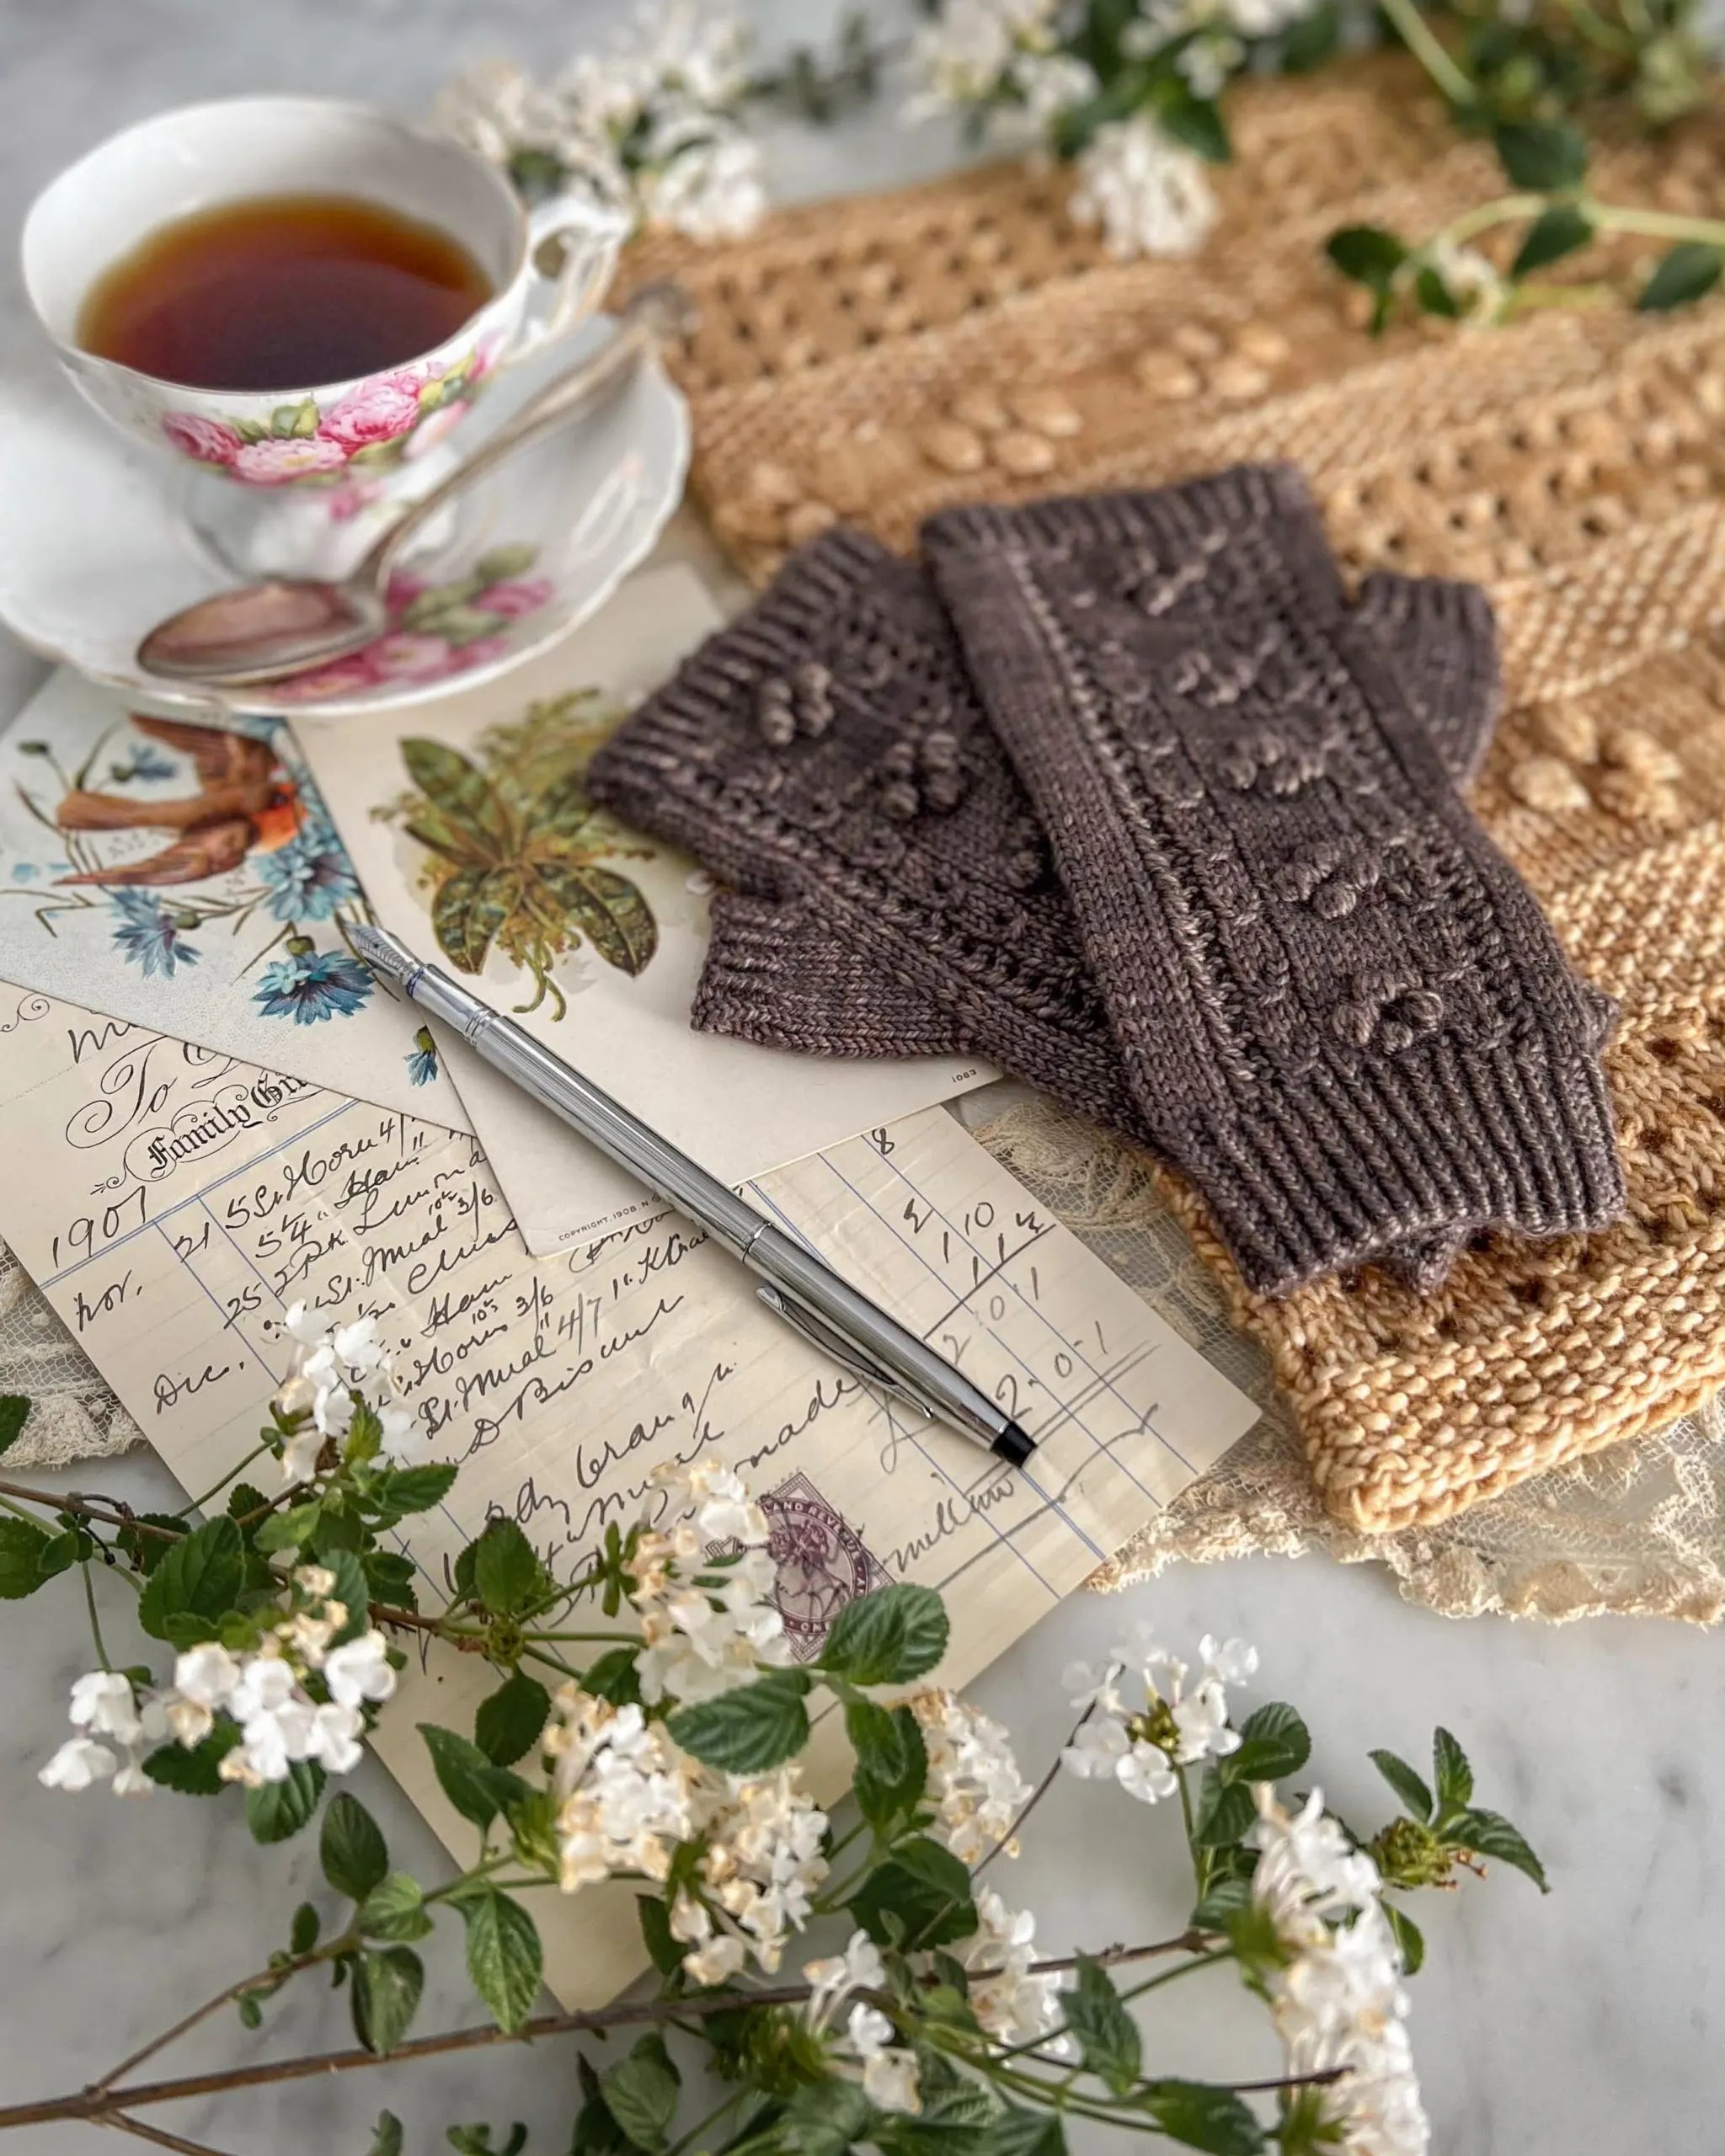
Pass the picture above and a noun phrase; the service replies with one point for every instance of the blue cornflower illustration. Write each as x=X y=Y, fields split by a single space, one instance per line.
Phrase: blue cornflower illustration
x=310 y=877
x=422 y=1063
x=307 y=985
x=144 y=762
x=148 y=935
x=25 y=872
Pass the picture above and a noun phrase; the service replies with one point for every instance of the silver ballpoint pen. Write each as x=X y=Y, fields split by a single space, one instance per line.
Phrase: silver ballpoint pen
x=808 y=1294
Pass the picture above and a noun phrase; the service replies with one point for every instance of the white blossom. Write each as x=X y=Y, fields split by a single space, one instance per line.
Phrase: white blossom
x=1096 y=1749
x=102 y=1703
x=1013 y=2004
x=709 y=1624
x=1144 y=1772
x=962 y=57
x=712 y=187
x=1338 y=2002
x=973 y=1782
x=1147 y=192
x=763 y=1863
x=626 y=1796
x=831 y=1981
x=890 y=2076
x=360 y=1670
x=1472 y=279
x=331 y=1373
x=79 y=1763
x=1229 y=1662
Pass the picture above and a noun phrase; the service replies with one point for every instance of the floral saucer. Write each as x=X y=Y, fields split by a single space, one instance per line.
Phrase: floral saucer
x=96 y=544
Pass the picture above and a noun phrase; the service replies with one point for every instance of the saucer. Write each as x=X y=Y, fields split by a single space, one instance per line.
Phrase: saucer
x=96 y=544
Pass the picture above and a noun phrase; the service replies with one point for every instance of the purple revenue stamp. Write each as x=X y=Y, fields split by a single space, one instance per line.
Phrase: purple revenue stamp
x=822 y=1563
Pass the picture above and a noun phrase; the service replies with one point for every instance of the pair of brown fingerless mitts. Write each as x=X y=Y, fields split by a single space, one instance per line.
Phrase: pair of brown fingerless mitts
x=1122 y=793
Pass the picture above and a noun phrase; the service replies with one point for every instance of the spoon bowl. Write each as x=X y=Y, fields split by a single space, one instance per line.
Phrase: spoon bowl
x=283 y=626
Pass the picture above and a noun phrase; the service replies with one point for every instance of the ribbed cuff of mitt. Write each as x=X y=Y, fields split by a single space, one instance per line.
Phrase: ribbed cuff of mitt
x=1339 y=1010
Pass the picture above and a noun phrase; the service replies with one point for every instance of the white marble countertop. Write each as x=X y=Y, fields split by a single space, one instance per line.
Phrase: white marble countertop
x=1583 y=2021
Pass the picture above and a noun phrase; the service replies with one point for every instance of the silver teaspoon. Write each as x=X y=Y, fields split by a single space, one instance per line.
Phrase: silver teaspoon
x=264 y=632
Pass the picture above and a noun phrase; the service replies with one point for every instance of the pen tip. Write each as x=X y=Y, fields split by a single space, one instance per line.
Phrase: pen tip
x=1015 y=1445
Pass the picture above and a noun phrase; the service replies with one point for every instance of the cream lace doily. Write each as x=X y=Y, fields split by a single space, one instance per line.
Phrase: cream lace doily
x=1638 y=1529
x=73 y=1416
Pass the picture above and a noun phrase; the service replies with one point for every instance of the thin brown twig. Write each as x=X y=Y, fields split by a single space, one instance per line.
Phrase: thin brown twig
x=69 y=1502
x=1034 y=1798
x=102 y=2101
x=161 y=2136
x=188 y=2022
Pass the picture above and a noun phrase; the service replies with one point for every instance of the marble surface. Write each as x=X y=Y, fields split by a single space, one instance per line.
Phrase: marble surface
x=1583 y=2021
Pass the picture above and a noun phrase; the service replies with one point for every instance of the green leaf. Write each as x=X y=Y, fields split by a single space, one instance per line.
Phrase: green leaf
x=1107 y=2036
x=1312 y=39
x=278 y=1810
x=1195 y=121
x=1488 y=1833
x=21 y=1547
x=387 y=1984
x=509 y=1720
x=243 y=1498
x=1367 y=253
x=597 y=2133
x=251 y=2011
x=351 y=1847
x=1226 y=1813
x=615 y=1677
x=920 y=1896
x=350 y=1591
x=665 y=1953
x=506 y=1572
x=757 y=1726
x=641 y=2092
x=391 y=1574
x=1273 y=1743
x=1415 y=1796
x=824 y=2118
x=1554 y=233
x=395 y=1908
x=146 y=1551
x=476 y=1789
x=198 y=1577
x=1434 y=296
x=892 y=1761
x=497 y=564
x=193 y=1769
x=1449 y=1770
x=387 y=2141
x=1013 y=2132
x=303 y=1932
x=1546 y=157
x=1223 y=1902
x=606 y=908
x=289 y=1530
x=504 y=1958
x=14 y=1410
x=407 y=1489
x=889 y=1638
x=1686 y=272
x=1408 y=1936
x=1198 y=2116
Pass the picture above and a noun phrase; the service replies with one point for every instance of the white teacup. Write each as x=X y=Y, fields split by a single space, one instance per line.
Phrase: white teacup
x=336 y=447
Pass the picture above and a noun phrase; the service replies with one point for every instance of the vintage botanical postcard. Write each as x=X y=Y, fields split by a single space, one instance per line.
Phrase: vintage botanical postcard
x=173 y=1206
x=468 y=824
x=188 y=879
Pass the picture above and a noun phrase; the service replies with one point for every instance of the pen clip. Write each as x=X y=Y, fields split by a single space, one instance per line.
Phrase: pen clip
x=833 y=1344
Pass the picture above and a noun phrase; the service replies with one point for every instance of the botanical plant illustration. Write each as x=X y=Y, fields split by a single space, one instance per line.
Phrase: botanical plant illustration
x=516 y=848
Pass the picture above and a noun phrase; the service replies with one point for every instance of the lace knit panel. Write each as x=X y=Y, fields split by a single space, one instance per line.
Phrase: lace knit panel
x=1340 y=1011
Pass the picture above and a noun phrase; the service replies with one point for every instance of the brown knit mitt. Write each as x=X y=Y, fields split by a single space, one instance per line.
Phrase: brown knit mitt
x=1339 y=1010
x=890 y=891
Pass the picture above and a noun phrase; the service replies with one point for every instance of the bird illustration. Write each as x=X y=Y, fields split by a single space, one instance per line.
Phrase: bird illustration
x=244 y=801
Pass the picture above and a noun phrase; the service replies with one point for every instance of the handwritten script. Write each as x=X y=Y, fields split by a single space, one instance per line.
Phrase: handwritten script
x=173 y=1203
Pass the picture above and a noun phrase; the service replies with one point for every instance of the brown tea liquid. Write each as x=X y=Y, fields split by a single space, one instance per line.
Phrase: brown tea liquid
x=284 y=292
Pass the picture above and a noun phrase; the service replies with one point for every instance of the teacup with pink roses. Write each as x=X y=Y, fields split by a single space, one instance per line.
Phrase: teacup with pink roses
x=357 y=437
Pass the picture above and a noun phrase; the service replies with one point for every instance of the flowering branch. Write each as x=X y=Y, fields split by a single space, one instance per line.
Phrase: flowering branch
x=671 y=1757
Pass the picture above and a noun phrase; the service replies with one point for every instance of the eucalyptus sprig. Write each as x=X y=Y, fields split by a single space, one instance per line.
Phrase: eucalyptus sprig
x=648 y=1723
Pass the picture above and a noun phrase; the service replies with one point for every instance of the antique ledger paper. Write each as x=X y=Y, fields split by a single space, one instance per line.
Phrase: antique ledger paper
x=172 y=1202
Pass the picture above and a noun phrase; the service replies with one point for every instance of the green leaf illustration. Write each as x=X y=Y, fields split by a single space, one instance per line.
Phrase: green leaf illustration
x=607 y=907
x=462 y=790
x=495 y=900
x=450 y=912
